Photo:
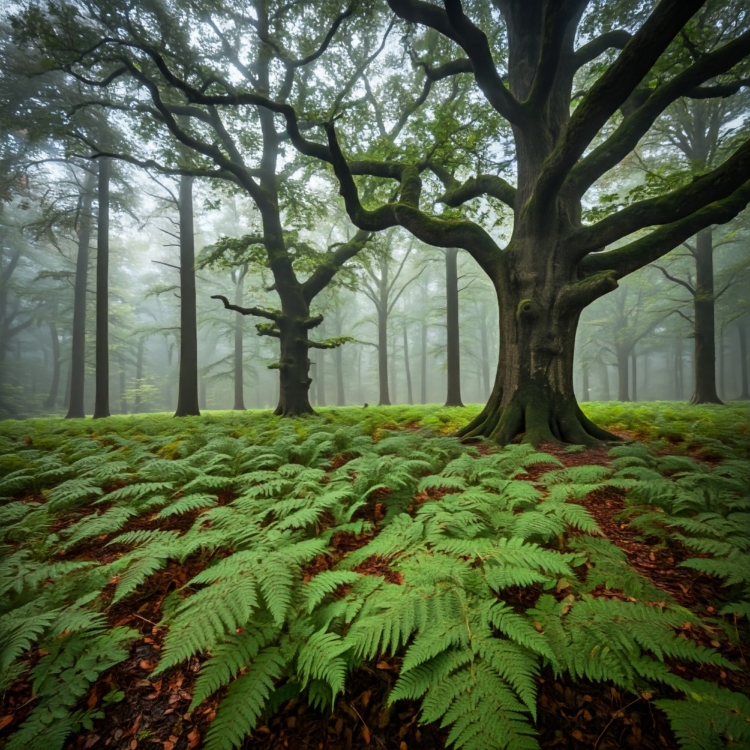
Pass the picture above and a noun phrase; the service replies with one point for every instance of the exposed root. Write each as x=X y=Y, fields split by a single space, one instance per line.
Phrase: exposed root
x=536 y=415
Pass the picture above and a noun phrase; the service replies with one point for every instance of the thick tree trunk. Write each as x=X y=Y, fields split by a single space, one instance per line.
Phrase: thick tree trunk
x=187 y=398
x=533 y=396
x=55 y=385
x=742 y=333
x=239 y=322
x=76 y=409
x=705 y=335
x=338 y=357
x=409 y=394
x=294 y=365
x=453 y=397
x=384 y=397
x=101 y=401
x=623 y=385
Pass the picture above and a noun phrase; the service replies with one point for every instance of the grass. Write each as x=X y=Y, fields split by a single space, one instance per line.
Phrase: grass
x=360 y=577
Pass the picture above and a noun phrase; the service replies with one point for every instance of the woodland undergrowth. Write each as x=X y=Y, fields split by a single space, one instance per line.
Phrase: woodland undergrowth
x=274 y=611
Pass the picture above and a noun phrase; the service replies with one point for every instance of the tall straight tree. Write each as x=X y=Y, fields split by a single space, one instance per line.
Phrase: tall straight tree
x=76 y=409
x=239 y=380
x=187 y=397
x=453 y=332
x=101 y=398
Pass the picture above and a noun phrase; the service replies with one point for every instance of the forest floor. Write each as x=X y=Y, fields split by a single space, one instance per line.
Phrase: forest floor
x=360 y=579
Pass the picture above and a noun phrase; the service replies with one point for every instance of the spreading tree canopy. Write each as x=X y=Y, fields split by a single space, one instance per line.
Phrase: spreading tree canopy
x=513 y=105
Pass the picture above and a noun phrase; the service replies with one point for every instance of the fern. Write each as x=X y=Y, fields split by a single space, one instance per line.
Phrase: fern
x=709 y=717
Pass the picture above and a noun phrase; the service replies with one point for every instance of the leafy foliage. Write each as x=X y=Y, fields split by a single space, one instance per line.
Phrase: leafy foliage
x=458 y=529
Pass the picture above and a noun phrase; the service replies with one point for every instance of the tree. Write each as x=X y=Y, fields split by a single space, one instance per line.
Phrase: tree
x=451 y=318
x=200 y=128
x=101 y=404
x=553 y=266
x=187 y=397
x=379 y=284
x=76 y=408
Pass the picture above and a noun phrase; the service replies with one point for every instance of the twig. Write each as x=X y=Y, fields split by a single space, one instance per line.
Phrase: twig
x=619 y=711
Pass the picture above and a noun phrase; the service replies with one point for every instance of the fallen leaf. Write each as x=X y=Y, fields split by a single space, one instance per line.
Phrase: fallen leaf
x=147 y=664
x=366 y=734
x=194 y=739
x=5 y=720
x=90 y=703
x=366 y=697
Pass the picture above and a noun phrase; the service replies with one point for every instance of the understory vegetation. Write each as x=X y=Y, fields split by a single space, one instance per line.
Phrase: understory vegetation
x=228 y=569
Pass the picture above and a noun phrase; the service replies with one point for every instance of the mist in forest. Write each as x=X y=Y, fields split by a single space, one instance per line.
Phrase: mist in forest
x=124 y=254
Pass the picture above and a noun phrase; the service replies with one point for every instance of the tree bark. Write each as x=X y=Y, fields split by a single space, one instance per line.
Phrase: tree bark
x=239 y=322
x=55 y=385
x=453 y=397
x=187 y=398
x=705 y=335
x=742 y=334
x=606 y=395
x=409 y=394
x=634 y=362
x=533 y=394
x=101 y=400
x=76 y=408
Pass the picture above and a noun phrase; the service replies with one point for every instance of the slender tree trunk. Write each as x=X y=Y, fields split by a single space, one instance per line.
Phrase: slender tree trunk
x=722 y=364
x=623 y=386
x=742 y=333
x=705 y=335
x=385 y=398
x=360 y=391
x=484 y=342
x=634 y=389
x=123 y=396
x=55 y=385
x=338 y=357
x=187 y=398
x=678 y=370
x=410 y=395
x=606 y=393
x=101 y=402
x=239 y=321
x=586 y=389
x=203 y=394
x=76 y=409
x=454 y=348
x=423 y=366
x=320 y=373
x=137 y=408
